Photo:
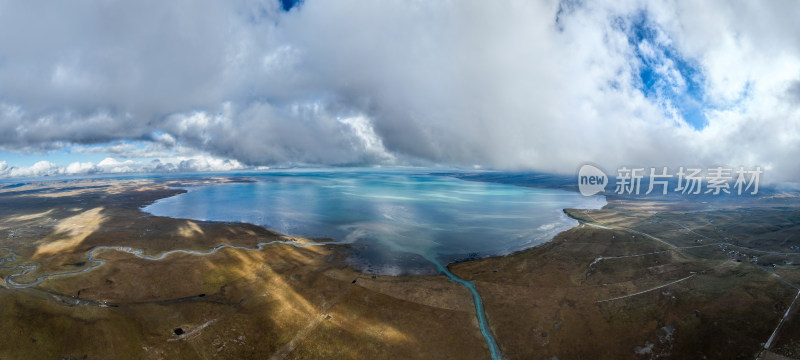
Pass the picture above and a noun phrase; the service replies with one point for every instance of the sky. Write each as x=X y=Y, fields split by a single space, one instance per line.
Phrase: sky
x=111 y=86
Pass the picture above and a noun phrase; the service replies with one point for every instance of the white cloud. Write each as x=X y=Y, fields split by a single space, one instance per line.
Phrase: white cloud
x=80 y=168
x=198 y=163
x=366 y=139
x=111 y=165
x=41 y=168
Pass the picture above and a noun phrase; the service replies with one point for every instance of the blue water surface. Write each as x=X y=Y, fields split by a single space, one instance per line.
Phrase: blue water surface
x=397 y=222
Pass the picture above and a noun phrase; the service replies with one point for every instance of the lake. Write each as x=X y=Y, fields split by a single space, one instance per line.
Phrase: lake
x=397 y=222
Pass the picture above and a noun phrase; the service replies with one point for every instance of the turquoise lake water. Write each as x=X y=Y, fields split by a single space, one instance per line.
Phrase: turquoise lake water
x=397 y=222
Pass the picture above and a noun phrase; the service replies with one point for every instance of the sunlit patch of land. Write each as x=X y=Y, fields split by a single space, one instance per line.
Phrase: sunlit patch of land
x=70 y=232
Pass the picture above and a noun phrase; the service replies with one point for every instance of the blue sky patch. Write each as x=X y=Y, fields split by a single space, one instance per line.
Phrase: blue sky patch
x=666 y=76
x=287 y=5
